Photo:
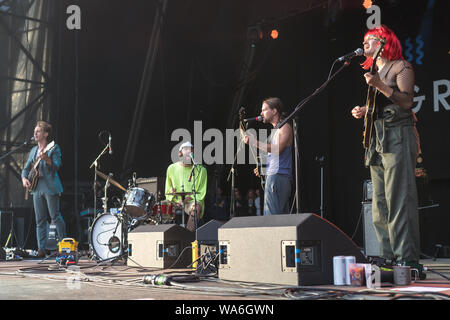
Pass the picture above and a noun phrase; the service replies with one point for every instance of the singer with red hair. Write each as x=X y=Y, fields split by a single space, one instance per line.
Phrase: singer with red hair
x=393 y=149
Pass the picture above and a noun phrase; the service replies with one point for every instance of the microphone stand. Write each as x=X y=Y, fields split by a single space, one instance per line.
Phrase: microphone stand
x=195 y=195
x=95 y=164
x=231 y=175
x=321 y=160
x=26 y=143
x=296 y=157
x=301 y=104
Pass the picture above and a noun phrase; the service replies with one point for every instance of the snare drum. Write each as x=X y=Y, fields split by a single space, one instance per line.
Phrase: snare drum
x=166 y=208
x=138 y=202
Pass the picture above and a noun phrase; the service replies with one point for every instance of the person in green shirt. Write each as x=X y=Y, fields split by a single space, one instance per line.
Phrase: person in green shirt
x=180 y=177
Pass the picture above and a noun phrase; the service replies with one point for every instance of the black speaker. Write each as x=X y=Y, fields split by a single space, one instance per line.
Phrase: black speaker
x=371 y=243
x=5 y=226
x=286 y=249
x=207 y=233
x=24 y=228
x=207 y=237
x=160 y=246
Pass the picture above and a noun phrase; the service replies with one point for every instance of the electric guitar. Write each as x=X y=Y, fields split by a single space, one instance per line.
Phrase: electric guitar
x=243 y=128
x=33 y=175
x=370 y=102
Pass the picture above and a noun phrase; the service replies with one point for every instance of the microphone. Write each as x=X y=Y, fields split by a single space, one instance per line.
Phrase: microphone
x=357 y=52
x=192 y=157
x=110 y=146
x=257 y=119
x=29 y=141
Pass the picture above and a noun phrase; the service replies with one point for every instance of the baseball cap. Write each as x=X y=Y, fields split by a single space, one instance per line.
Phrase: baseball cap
x=187 y=144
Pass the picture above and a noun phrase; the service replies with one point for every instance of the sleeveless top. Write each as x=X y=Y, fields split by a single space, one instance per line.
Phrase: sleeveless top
x=281 y=164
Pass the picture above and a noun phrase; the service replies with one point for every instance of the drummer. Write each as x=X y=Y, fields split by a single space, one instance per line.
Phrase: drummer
x=177 y=180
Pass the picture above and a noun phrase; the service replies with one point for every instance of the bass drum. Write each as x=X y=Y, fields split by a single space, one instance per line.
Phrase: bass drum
x=106 y=237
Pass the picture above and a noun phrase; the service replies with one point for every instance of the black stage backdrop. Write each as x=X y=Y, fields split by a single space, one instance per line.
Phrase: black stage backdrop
x=196 y=72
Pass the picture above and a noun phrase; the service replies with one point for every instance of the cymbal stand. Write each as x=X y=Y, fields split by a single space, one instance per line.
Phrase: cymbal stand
x=105 y=198
x=159 y=199
x=182 y=207
x=96 y=165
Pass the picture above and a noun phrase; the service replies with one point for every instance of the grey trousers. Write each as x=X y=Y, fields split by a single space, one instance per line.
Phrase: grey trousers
x=44 y=203
x=276 y=194
x=395 y=202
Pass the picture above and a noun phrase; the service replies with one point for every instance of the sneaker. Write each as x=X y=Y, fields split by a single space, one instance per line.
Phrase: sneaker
x=40 y=253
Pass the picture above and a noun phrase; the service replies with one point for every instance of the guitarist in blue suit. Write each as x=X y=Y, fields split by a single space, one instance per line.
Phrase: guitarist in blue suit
x=40 y=177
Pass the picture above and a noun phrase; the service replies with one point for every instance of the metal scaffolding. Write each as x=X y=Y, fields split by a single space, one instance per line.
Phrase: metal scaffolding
x=26 y=39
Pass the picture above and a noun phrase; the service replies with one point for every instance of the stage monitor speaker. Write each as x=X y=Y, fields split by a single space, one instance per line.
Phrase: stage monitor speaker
x=208 y=231
x=371 y=244
x=207 y=236
x=285 y=249
x=160 y=246
x=154 y=185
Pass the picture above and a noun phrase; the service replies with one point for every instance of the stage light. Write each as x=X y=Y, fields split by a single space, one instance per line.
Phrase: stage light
x=367 y=4
x=254 y=34
x=274 y=34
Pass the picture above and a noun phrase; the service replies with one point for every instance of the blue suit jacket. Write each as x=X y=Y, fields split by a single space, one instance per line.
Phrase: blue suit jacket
x=49 y=182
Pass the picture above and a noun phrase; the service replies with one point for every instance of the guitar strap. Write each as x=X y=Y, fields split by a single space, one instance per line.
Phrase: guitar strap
x=383 y=72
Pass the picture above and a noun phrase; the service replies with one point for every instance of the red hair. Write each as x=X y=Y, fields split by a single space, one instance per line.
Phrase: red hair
x=392 y=49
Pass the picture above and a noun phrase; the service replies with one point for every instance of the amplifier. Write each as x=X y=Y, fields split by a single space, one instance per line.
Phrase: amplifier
x=368 y=191
x=24 y=227
x=371 y=243
x=154 y=185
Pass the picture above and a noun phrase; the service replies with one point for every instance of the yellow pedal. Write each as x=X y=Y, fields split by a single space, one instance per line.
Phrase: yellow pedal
x=67 y=245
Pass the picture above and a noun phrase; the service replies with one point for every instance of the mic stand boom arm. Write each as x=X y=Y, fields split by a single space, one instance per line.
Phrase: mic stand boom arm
x=296 y=110
x=14 y=150
x=315 y=93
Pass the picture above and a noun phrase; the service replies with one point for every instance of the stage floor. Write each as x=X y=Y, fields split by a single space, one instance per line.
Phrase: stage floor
x=32 y=279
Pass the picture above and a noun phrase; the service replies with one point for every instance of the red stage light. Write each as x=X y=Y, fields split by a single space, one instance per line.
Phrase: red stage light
x=367 y=4
x=274 y=34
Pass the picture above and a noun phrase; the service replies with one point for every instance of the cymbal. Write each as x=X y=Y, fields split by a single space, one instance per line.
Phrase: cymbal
x=111 y=180
x=181 y=194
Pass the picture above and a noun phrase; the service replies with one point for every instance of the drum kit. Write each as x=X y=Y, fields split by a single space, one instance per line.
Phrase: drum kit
x=109 y=230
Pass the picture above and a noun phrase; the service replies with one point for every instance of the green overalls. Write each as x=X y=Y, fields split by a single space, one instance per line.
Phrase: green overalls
x=391 y=157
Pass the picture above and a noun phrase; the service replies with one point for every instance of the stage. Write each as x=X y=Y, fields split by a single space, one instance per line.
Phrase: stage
x=36 y=279
x=164 y=132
